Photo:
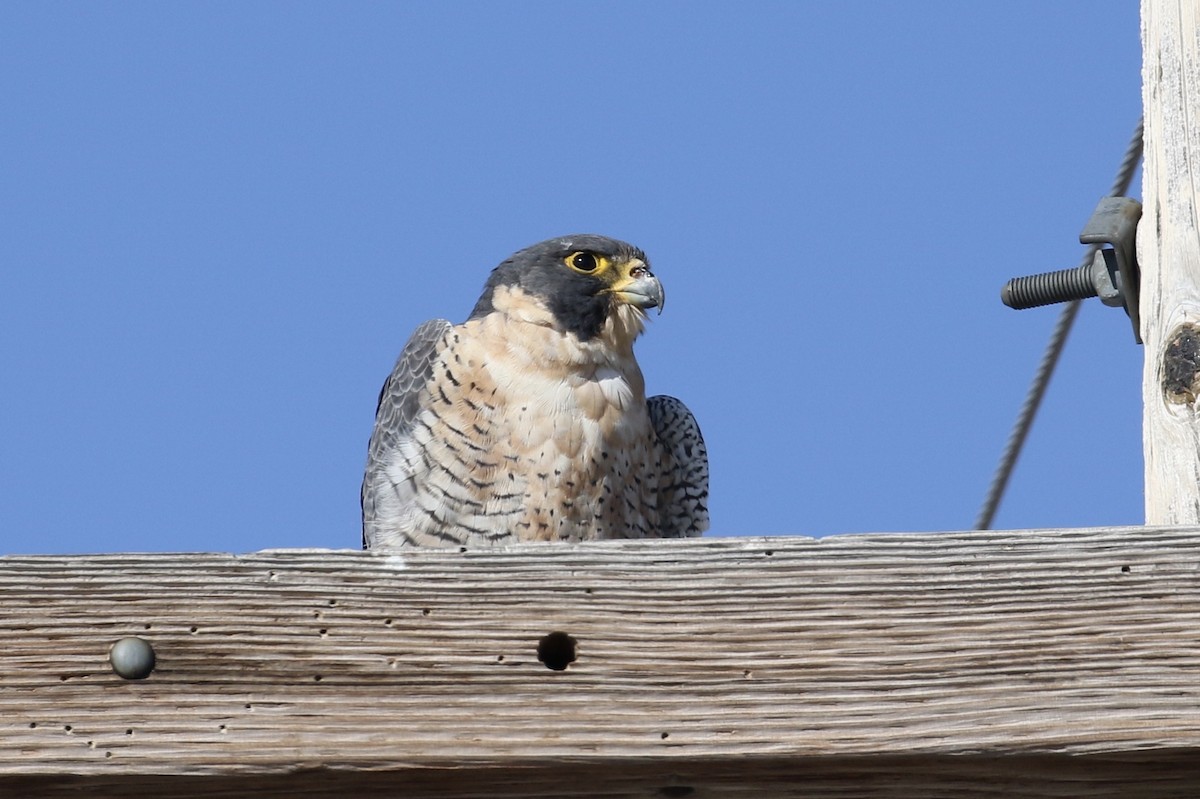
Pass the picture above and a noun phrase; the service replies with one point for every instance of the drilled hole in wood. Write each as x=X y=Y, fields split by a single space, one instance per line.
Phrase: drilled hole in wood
x=556 y=650
x=666 y=735
x=129 y=731
x=324 y=632
x=769 y=552
x=317 y=678
x=387 y=622
x=676 y=791
x=425 y=611
x=67 y=727
x=33 y=725
x=194 y=630
x=1125 y=569
x=333 y=603
x=499 y=658
x=746 y=673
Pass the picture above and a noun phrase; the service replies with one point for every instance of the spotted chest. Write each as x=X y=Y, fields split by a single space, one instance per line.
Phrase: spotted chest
x=530 y=434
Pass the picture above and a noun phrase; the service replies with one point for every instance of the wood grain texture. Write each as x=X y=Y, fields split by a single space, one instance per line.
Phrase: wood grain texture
x=1169 y=255
x=975 y=664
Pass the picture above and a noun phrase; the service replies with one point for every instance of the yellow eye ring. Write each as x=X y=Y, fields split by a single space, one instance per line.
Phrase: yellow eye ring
x=583 y=262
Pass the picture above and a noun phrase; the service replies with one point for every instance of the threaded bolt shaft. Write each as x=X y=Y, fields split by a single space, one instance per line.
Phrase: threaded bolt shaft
x=1049 y=287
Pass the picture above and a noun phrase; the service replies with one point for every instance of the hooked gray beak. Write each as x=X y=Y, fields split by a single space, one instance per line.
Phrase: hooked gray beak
x=640 y=288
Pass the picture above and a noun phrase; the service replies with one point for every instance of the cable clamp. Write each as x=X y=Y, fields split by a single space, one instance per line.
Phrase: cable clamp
x=1113 y=274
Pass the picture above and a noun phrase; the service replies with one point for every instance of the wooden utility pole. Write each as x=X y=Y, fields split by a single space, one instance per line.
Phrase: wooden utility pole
x=1169 y=253
x=1030 y=664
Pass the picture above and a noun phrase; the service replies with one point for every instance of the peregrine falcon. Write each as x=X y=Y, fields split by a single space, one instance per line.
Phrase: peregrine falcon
x=529 y=421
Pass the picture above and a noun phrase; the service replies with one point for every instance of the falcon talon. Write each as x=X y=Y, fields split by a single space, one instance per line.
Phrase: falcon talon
x=529 y=421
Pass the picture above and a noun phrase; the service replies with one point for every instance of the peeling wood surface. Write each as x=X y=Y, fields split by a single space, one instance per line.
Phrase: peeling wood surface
x=1169 y=255
x=974 y=664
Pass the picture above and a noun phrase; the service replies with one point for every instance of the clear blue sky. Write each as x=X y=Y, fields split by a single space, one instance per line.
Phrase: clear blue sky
x=220 y=221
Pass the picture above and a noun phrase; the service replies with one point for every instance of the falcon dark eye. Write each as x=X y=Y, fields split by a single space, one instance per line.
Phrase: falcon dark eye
x=584 y=262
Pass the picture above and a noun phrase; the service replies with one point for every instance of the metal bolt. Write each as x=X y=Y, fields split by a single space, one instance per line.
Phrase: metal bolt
x=1110 y=272
x=132 y=658
x=1087 y=280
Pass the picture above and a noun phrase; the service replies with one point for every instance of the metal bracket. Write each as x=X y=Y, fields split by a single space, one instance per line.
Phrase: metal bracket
x=1113 y=274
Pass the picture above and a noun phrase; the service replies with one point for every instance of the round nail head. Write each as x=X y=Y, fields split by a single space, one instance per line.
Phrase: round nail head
x=132 y=658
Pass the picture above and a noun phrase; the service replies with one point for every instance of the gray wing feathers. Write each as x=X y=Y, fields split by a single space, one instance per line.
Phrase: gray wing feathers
x=399 y=404
x=683 y=493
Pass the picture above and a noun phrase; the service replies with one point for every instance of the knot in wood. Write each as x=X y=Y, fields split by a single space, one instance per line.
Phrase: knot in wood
x=1181 y=365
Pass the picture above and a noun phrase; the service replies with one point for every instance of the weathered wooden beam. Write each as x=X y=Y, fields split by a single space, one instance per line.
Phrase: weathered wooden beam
x=952 y=665
x=1169 y=252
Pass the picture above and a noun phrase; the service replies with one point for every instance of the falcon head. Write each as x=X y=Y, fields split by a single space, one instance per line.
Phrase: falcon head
x=578 y=284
